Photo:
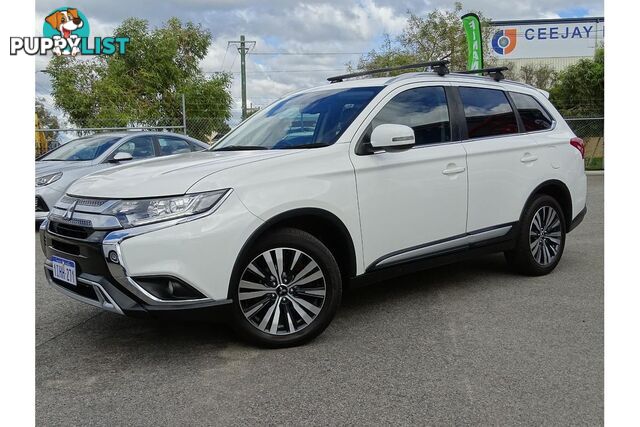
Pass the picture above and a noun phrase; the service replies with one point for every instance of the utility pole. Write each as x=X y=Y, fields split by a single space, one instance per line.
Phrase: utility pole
x=243 y=47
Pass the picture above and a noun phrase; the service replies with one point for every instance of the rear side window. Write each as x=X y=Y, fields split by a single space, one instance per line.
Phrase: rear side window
x=533 y=115
x=423 y=109
x=171 y=145
x=487 y=112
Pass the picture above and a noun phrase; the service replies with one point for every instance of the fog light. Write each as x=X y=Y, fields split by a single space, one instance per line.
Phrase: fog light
x=113 y=257
x=168 y=288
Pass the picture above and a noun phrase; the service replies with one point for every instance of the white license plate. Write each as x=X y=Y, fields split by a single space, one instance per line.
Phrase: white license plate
x=64 y=269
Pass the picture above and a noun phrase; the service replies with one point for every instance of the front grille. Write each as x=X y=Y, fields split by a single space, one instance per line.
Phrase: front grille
x=41 y=206
x=65 y=247
x=70 y=230
x=84 y=202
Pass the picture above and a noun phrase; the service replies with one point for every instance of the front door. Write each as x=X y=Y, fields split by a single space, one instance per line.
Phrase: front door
x=414 y=198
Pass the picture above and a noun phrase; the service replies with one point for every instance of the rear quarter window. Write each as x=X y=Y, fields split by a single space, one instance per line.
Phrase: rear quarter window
x=534 y=116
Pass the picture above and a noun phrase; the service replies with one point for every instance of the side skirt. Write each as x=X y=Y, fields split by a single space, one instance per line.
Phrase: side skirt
x=470 y=248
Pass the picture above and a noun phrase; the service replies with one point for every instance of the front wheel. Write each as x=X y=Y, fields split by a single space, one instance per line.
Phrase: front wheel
x=287 y=290
x=541 y=239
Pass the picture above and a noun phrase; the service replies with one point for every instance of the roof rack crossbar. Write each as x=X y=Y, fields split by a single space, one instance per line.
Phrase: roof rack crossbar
x=494 y=72
x=439 y=67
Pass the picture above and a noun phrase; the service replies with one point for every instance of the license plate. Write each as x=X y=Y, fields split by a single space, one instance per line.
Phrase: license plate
x=64 y=269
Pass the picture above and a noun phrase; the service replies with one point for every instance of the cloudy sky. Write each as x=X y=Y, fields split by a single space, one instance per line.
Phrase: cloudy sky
x=298 y=43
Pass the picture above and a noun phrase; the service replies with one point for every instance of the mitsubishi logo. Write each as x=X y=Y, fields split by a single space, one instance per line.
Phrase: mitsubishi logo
x=68 y=215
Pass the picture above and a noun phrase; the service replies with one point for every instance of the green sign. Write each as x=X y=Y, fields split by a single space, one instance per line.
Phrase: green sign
x=471 y=24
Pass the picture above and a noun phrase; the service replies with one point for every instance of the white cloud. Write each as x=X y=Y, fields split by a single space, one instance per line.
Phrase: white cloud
x=290 y=26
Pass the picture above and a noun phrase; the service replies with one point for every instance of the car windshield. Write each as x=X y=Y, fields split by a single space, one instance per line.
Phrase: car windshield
x=87 y=148
x=306 y=120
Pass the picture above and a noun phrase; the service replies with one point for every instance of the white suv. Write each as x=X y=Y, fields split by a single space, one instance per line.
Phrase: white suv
x=352 y=181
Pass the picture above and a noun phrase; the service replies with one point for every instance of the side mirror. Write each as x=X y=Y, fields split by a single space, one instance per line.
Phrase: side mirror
x=121 y=157
x=391 y=137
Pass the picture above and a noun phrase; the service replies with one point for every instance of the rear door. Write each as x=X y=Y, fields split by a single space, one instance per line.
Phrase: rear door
x=413 y=198
x=169 y=144
x=504 y=163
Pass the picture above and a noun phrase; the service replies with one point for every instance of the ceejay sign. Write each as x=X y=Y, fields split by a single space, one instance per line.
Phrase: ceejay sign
x=546 y=38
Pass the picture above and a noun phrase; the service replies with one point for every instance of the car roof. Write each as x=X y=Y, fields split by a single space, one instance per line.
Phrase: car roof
x=128 y=133
x=124 y=133
x=421 y=77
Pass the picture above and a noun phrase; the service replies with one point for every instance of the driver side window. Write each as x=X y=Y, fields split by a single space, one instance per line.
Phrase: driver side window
x=423 y=109
x=140 y=147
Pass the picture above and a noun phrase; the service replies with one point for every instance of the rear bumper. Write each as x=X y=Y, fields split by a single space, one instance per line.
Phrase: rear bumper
x=577 y=220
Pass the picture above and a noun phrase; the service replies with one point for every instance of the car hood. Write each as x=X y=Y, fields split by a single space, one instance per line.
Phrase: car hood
x=46 y=168
x=164 y=176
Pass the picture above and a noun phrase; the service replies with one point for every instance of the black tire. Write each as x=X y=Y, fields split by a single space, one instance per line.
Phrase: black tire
x=293 y=251
x=538 y=253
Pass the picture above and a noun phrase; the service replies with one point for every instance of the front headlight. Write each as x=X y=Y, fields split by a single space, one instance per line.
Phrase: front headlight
x=48 y=179
x=132 y=213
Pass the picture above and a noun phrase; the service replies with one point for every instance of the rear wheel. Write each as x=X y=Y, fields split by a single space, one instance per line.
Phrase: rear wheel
x=541 y=238
x=287 y=290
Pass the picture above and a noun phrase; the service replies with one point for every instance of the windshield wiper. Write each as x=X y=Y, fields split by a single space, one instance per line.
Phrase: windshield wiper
x=240 y=148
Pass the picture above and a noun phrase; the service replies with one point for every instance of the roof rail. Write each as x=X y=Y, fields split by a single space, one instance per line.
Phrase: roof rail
x=439 y=67
x=495 y=73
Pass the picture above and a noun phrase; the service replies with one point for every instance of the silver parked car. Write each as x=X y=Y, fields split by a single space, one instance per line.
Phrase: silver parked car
x=59 y=168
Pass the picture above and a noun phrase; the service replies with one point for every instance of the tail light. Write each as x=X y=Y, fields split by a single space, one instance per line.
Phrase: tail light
x=579 y=144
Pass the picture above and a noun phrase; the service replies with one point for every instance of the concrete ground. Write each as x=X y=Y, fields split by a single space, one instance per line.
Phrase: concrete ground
x=469 y=343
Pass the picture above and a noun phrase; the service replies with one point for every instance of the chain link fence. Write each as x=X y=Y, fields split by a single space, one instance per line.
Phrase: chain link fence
x=591 y=130
x=196 y=119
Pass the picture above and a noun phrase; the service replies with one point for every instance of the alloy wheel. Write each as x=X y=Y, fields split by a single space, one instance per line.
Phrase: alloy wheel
x=282 y=291
x=545 y=235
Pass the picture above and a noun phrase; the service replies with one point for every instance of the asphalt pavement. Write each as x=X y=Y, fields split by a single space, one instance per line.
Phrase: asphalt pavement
x=469 y=343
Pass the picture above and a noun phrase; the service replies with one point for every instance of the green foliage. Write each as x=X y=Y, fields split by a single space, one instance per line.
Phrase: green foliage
x=47 y=120
x=579 y=90
x=541 y=76
x=144 y=86
x=438 y=35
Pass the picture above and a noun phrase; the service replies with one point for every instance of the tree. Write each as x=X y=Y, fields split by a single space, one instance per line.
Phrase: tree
x=144 y=86
x=438 y=35
x=47 y=120
x=539 y=75
x=579 y=90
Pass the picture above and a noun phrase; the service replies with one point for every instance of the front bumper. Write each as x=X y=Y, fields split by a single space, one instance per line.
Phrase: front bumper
x=173 y=250
x=96 y=286
x=46 y=198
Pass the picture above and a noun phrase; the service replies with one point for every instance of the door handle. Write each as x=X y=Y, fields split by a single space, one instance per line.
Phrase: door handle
x=528 y=158
x=453 y=170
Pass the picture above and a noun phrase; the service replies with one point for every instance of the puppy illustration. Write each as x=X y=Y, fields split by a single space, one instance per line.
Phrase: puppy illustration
x=66 y=22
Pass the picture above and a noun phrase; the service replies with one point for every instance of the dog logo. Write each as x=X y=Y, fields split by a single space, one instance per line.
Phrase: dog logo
x=67 y=23
x=66 y=32
x=504 y=41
